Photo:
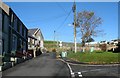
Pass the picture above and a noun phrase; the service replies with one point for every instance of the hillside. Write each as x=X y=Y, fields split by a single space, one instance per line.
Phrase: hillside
x=50 y=45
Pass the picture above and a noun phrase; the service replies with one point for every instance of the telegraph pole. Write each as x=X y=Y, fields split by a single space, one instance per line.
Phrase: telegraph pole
x=54 y=35
x=74 y=11
x=55 y=39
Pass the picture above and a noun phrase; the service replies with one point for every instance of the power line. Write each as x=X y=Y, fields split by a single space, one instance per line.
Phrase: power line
x=63 y=21
x=62 y=8
x=46 y=19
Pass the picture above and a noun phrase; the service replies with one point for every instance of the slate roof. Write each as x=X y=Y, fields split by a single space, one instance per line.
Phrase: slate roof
x=30 y=35
x=32 y=31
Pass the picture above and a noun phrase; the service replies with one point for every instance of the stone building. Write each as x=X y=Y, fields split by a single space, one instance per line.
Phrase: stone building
x=13 y=35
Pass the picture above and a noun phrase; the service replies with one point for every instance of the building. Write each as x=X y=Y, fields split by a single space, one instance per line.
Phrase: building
x=112 y=45
x=108 y=45
x=13 y=34
x=91 y=45
x=60 y=44
x=4 y=25
x=31 y=41
x=35 y=38
x=35 y=42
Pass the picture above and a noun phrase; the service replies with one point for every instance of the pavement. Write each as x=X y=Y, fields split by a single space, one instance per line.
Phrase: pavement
x=43 y=65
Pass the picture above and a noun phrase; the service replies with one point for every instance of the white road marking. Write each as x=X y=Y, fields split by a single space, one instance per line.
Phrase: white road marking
x=79 y=72
x=0 y=68
x=93 y=70
x=95 y=65
x=72 y=73
x=69 y=67
x=80 y=75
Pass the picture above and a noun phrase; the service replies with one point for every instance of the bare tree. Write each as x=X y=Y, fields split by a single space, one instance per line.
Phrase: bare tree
x=88 y=24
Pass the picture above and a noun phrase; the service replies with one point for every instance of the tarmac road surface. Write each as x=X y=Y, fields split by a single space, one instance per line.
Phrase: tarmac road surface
x=43 y=65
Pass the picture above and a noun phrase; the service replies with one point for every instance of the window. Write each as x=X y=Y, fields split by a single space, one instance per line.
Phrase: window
x=20 y=28
x=30 y=42
x=24 y=32
x=1 y=22
x=21 y=46
x=3 y=17
x=15 y=23
x=14 y=42
x=3 y=46
x=24 y=46
x=11 y=19
x=28 y=39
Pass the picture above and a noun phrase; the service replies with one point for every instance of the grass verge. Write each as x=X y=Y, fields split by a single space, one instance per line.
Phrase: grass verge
x=0 y=60
x=95 y=58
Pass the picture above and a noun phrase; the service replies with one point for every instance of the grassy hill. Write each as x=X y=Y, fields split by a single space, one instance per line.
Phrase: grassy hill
x=50 y=45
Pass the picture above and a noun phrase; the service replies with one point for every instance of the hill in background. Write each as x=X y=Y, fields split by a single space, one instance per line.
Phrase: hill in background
x=50 y=45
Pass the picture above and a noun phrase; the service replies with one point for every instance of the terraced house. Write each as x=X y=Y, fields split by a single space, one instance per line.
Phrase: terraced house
x=14 y=34
x=35 y=37
x=35 y=41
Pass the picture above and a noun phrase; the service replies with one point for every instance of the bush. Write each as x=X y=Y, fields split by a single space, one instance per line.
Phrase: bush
x=54 y=50
x=103 y=47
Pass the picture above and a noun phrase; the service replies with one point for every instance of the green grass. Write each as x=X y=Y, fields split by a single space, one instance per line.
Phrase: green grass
x=95 y=57
x=0 y=60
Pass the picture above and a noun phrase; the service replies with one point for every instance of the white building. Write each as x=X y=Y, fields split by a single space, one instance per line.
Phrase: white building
x=35 y=38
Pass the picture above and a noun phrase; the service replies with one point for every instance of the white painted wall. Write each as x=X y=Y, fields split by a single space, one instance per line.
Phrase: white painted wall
x=41 y=43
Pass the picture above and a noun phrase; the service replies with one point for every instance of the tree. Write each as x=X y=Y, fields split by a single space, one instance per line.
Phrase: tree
x=88 y=24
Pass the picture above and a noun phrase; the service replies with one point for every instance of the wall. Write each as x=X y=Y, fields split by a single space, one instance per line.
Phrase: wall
x=5 y=26
x=0 y=31
x=40 y=38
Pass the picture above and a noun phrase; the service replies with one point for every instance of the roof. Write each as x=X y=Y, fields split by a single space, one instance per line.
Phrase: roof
x=92 y=43
x=4 y=7
x=30 y=35
x=32 y=31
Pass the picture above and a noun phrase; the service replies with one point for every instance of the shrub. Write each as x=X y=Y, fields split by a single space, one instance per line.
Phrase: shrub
x=54 y=50
x=103 y=47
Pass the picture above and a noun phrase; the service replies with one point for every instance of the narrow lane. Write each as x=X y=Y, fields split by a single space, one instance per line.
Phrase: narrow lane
x=43 y=65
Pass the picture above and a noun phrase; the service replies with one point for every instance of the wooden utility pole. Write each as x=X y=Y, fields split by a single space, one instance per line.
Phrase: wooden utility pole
x=54 y=35
x=74 y=11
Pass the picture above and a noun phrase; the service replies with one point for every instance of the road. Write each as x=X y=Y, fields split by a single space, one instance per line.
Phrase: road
x=46 y=65
x=96 y=71
x=43 y=65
